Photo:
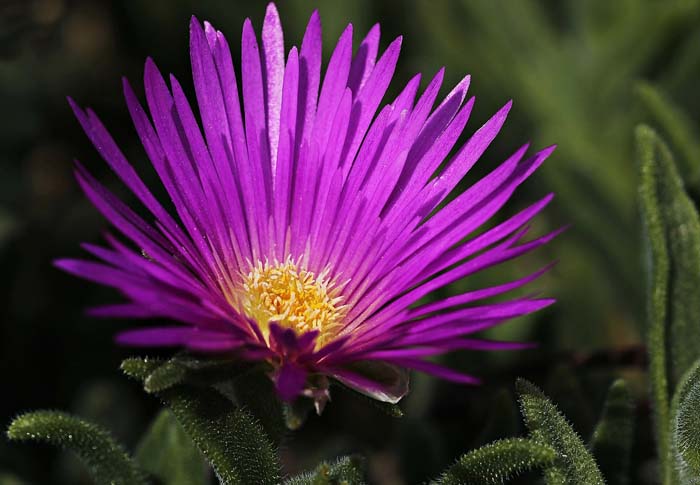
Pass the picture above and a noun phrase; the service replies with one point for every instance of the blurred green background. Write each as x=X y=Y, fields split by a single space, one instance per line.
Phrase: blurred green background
x=582 y=73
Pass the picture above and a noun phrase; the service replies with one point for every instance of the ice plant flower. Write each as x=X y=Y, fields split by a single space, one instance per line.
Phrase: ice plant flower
x=308 y=221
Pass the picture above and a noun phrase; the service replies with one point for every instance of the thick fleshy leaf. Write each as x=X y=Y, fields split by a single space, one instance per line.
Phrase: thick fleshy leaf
x=164 y=377
x=187 y=368
x=106 y=459
x=497 y=462
x=611 y=443
x=255 y=391
x=672 y=238
x=574 y=465
x=168 y=454
x=232 y=440
x=348 y=470
x=672 y=224
x=685 y=426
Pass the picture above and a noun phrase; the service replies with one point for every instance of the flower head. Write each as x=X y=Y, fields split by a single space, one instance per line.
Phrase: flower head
x=308 y=221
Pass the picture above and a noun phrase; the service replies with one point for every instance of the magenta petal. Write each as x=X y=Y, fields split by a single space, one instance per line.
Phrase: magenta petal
x=273 y=50
x=316 y=168
x=156 y=336
x=378 y=380
x=363 y=62
x=290 y=381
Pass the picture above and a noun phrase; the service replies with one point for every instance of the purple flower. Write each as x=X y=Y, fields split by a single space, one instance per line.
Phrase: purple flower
x=308 y=222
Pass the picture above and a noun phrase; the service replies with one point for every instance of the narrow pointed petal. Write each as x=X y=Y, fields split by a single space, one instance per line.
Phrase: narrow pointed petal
x=273 y=50
x=308 y=216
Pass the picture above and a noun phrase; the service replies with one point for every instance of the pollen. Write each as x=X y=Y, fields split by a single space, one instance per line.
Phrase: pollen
x=293 y=297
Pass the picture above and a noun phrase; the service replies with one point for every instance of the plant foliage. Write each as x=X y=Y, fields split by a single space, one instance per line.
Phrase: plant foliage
x=499 y=461
x=106 y=459
x=574 y=463
x=229 y=436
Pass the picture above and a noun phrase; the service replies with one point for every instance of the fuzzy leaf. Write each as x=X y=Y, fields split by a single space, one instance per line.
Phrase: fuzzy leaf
x=186 y=368
x=256 y=392
x=574 y=465
x=612 y=438
x=168 y=454
x=231 y=439
x=140 y=368
x=165 y=376
x=686 y=428
x=673 y=245
x=348 y=470
x=106 y=460
x=673 y=234
x=497 y=462
x=242 y=383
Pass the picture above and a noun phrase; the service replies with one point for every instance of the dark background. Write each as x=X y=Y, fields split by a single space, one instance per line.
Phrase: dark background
x=575 y=70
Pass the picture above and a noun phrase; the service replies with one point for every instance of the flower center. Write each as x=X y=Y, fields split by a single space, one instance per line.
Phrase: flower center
x=292 y=297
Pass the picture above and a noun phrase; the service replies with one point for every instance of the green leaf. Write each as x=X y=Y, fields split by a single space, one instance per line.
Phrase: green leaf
x=107 y=460
x=574 y=465
x=232 y=440
x=497 y=462
x=165 y=376
x=348 y=470
x=677 y=126
x=243 y=384
x=686 y=428
x=672 y=237
x=255 y=391
x=140 y=368
x=167 y=453
x=188 y=369
x=612 y=438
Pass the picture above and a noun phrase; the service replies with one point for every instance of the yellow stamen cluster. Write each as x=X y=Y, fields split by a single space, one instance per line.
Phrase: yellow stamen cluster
x=292 y=297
